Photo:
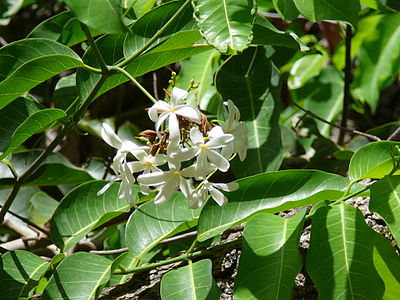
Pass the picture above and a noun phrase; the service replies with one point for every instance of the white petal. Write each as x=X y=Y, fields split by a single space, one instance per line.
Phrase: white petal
x=216 y=131
x=189 y=112
x=174 y=131
x=159 y=106
x=155 y=178
x=161 y=120
x=159 y=159
x=220 y=141
x=109 y=136
x=228 y=150
x=218 y=196
x=218 y=160
x=197 y=198
x=196 y=136
x=140 y=154
x=189 y=171
x=136 y=166
x=106 y=187
x=165 y=193
x=228 y=187
x=186 y=188
x=177 y=95
x=184 y=154
x=130 y=146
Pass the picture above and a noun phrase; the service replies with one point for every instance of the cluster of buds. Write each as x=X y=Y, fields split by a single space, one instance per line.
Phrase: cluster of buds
x=182 y=136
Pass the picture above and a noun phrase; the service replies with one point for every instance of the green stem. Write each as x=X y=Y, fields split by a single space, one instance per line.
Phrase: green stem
x=347 y=82
x=156 y=36
x=183 y=257
x=96 y=51
x=352 y=195
x=131 y=78
x=92 y=69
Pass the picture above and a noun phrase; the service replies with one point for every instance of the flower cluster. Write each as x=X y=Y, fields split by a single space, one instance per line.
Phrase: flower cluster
x=182 y=153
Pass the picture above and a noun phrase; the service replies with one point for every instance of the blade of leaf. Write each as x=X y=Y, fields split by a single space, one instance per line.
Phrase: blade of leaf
x=251 y=81
x=304 y=69
x=160 y=222
x=103 y=15
x=81 y=210
x=26 y=63
x=374 y=160
x=270 y=192
x=286 y=8
x=20 y=272
x=385 y=200
x=225 y=24
x=78 y=277
x=42 y=207
x=270 y=258
x=340 y=257
x=192 y=282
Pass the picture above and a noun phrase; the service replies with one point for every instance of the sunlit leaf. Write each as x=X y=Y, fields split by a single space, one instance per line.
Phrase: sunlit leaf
x=270 y=192
x=304 y=69
x=78 y=276
x=41 y=209
x=225 y=24
x=270 y=258
x=20 y=272
x=26 y=63
x=251 y=81
x=340 y=257
x=192 y=282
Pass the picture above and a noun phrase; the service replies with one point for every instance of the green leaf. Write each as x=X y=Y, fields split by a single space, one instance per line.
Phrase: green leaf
x=41 y=209
x=286 y=8
x=55 y=170
x=81 y=210
x=304 y=69
x=270 y=192
x=226 y=24
x=389 y=5
x=325 y=90
x=387 y=264
x=26 y=63
x=65 y=92
x=385 y=200
x=148 y=25
x=160 y=222
x=270 y=258
x=251 y=81
x=192 y=282
x=7 y=9
x=342 y=10
x=267 y=34
x=63 y=28
x=20 y=120
x=140 y=7
x=340 y=257
x=374 y=160
x=78 y=277
x=20 y=272
x=379 y=61
x=102 y=15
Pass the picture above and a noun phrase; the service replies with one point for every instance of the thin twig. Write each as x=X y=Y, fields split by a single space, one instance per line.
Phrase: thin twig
x=369 y=136
x=300 y=17
x=395 y=136
x=155 y=86
x=347 y=82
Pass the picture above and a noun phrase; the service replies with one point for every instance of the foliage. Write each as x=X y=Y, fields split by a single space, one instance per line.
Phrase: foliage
x=114 y=195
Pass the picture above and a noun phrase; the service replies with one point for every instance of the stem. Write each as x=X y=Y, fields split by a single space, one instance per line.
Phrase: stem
x=183 y=257
x=308 y=112
x=96 y=51
x=347 y=82
x=33 y=167
x=352 y=195
x=131 y=78
x=395 y=135
x=92 y=69
x=156 y=36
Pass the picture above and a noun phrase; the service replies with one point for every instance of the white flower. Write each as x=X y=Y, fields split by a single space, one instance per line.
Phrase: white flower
x=199 y=197
x=238 y=130
x=167 y=182
x=206 y=151
x=171 y=111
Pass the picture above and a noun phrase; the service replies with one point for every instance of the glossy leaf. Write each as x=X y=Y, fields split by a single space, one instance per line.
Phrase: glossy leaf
x=140 y=7
x=270 y=258
x=26 y=63
x=81 y=210
x=65 y=92
x=20 y=272
x=192 y=282
x=41 y=209
x=270 y=192
x=160 y=222
x=148 y=25
x=325 y=90
x=8 y=8
x=387 y=264
x=22 y=119
x=340 y=257
x=267 y=34
x=374 y=160
x=304 y=69
x=251 y=81
x=379 y=61
x=342 y=10
x=286 y=8
x=389 y=5
x=78 y=277
x=385 y=200
x=225 y=24
x=103 y=15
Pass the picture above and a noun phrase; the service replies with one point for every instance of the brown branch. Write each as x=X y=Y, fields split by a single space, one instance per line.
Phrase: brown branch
x=395 y=136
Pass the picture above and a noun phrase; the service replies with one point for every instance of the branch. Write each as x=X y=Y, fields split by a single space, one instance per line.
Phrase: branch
x=369 y=136
x=395 y=136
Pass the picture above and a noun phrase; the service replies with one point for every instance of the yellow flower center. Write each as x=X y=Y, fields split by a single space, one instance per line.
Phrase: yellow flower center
x=203 y=147
x=148 y=164
x=172 y=109
x=176 y=173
